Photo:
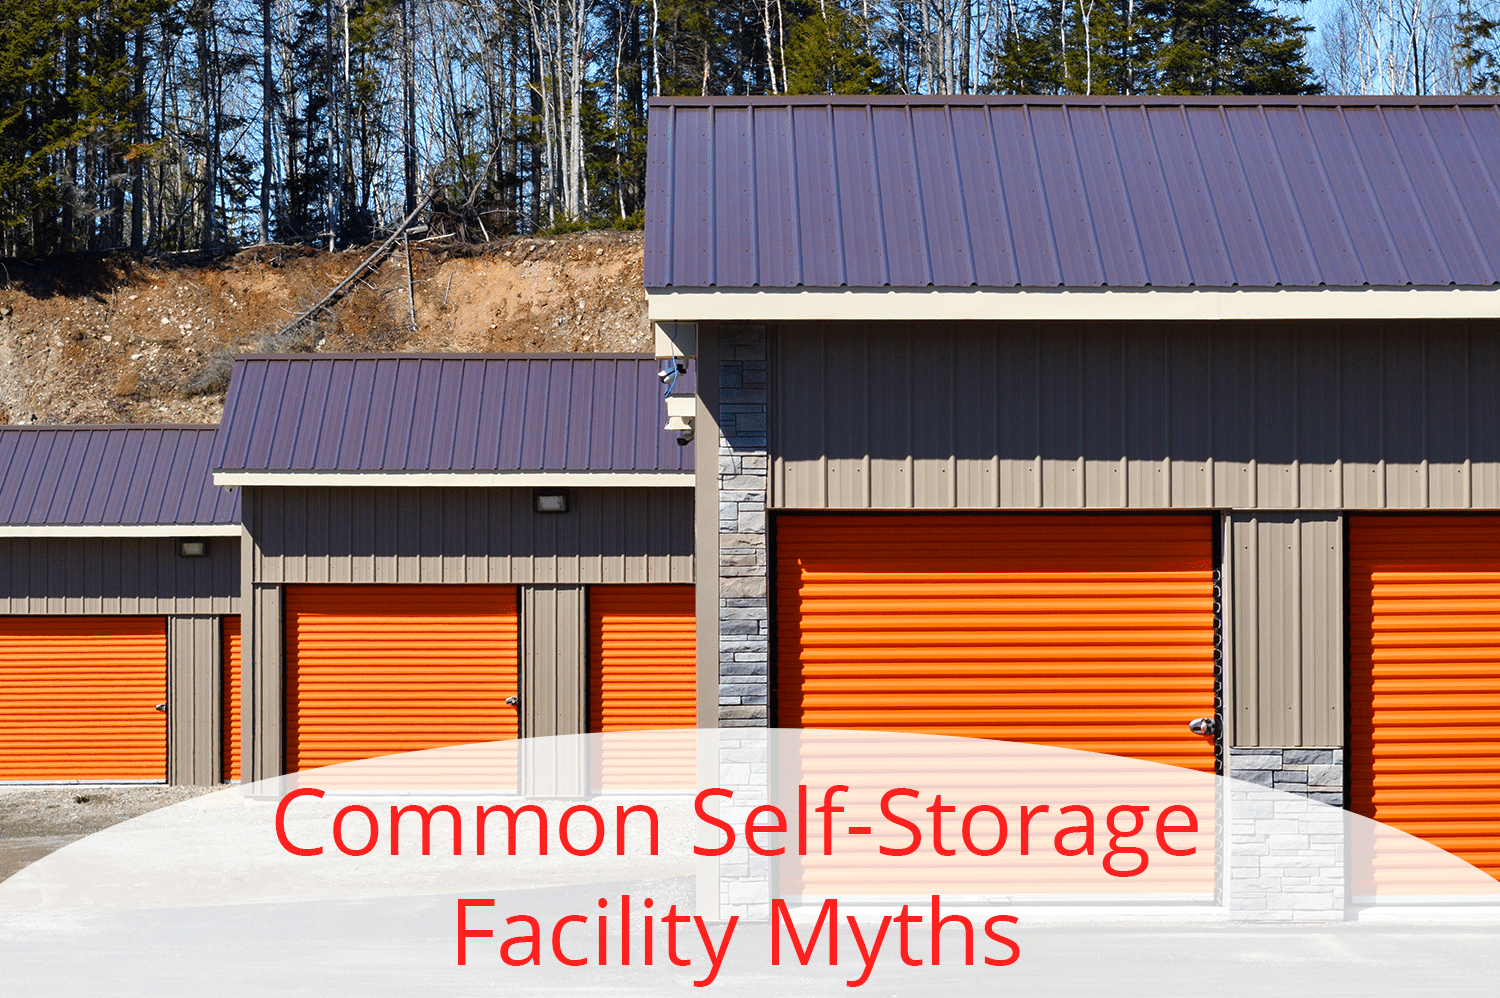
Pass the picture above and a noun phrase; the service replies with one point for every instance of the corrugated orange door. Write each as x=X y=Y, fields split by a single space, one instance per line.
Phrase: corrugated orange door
x=78 y=698
x=1424 y=685
x=1088 y=632
x=375 y=670
x=642 y=658
x=230 y=752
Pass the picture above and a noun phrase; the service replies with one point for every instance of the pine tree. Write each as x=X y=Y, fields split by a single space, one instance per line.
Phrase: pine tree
x=828 y=53
x=1230 y=47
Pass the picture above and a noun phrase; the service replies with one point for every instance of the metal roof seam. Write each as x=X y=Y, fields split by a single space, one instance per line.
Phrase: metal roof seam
x=1000 y=187
x=1130 y=215
x=1458 y=203
x=1411 y=191
x=1329 y=188
x=1090 y=212
x=1260 y=216
x=797 y=227
x=754 y=213
x=1208 y=190
x=1041 y=186
x=885 y=239
x=838 y=200
x=1374 y=195
x=1294 y=211
x=963 y=204
x=920 y=195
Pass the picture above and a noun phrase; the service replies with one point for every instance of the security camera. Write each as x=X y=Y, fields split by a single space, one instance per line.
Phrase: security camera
x=684 y=437
x=671 y=371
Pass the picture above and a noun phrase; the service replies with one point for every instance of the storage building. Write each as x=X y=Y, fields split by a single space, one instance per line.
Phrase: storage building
x=119 y=605
x=1079 y=421
x=450 y=549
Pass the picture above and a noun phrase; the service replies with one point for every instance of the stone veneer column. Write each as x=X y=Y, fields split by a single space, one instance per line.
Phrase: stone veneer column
x=1287 y=856
x=744 y=564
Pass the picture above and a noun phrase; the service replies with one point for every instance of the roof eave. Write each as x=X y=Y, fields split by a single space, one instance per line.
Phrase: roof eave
x=682 y=304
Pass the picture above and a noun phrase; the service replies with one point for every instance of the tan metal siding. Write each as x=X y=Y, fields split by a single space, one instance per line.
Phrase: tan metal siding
x=1288 y=631
x=78 y=698
x=261 y=704
x=554 y=644
x=194 y=695
x=118 y=576
x=465 y=536
x=1244 y=415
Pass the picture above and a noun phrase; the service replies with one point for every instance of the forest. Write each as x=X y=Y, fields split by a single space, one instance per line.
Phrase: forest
x=184 y=126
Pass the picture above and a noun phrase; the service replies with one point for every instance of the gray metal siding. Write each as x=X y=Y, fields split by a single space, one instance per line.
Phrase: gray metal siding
x=451 y=535
x=116 y=575
x=195 y=697
x=1184 y=415
x=262 y=702
x=1287 y=598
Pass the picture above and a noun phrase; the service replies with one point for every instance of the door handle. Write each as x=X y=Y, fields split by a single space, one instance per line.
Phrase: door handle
x=512 y=701
x=161 y=707
x=1205 y=726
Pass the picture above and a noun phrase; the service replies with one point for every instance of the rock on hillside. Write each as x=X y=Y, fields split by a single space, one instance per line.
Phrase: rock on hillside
x=118 y=339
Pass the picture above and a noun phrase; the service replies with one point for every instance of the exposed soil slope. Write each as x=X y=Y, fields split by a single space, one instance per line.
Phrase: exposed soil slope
x=118 y=339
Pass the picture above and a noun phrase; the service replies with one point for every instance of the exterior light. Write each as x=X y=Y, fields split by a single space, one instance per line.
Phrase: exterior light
x=193 y=548
x=551 y=502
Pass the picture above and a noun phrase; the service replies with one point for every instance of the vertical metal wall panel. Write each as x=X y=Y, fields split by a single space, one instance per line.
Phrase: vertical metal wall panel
x=706 y=440
x=116 y=576
x=194 y=695
x=554 y=656
x=448 y=536
x=1230 y=415
x=1319 y=459
x=1288 y=599
x=261 y=703
x=1483 y=398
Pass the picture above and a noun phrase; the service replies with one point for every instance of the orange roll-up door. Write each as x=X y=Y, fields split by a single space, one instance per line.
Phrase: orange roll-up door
x=376 y=670
x=78 y=698
x=642 y=658
x=230 y=753
x=1424 y=683
x=1087 y=632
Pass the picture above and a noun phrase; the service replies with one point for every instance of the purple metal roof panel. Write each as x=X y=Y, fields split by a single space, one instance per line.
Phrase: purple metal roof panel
x=373 y=413
x=111 y=476
x=1073 y=192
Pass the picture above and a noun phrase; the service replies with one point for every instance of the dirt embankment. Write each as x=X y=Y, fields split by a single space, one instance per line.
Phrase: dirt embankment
x=117 y=339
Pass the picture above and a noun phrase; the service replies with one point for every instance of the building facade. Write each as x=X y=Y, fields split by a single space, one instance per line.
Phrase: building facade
x=1158 y=427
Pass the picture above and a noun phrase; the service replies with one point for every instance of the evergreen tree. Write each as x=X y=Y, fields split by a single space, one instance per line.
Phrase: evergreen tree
x=828 y=53
x=1230 y=47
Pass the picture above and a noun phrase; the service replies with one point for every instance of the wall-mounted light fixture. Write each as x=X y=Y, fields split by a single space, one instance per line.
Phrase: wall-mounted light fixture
x=192 y=547
x=550 y=502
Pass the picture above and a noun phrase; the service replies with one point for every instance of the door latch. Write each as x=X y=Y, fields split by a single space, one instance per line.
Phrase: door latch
x=512 y=701
x=1205 y=726
x=161 y=707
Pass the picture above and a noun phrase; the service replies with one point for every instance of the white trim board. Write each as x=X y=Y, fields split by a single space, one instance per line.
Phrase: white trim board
x=462 y=479
x=121 y=530
x=1099 y=304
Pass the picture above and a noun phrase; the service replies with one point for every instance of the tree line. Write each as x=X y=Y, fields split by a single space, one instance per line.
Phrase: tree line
x=187 y=125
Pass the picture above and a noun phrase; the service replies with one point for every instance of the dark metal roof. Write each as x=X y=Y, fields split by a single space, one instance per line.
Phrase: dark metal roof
x=1074 y=192
x=452 y=413
x=111 y=475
